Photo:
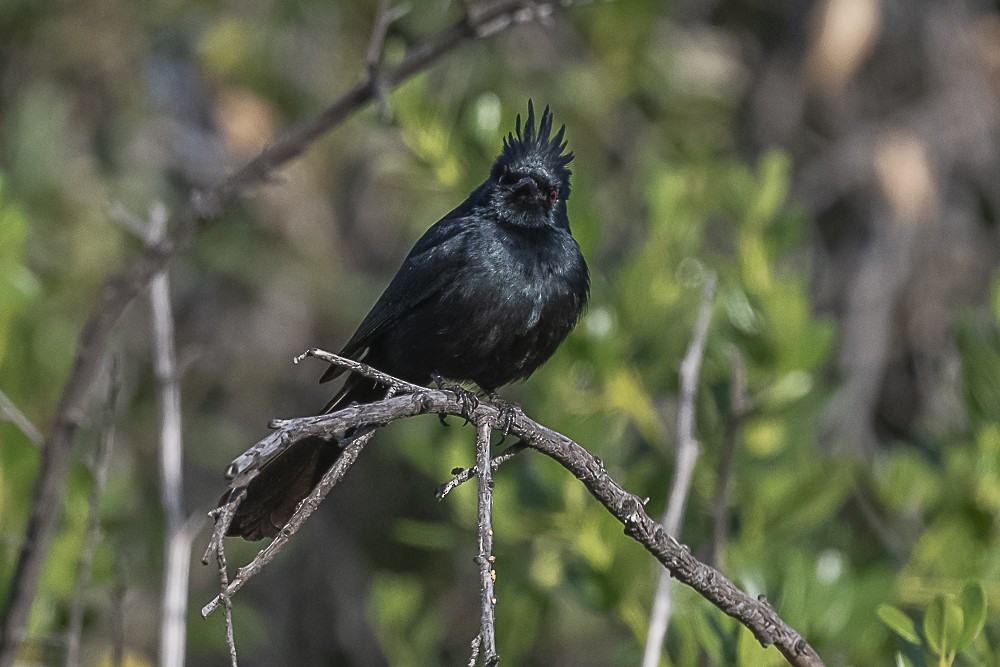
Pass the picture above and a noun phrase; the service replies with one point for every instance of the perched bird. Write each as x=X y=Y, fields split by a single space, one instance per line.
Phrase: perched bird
x=486 y=295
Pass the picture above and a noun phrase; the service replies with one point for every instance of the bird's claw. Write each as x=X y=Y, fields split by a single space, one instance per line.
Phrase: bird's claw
x=507 y=414
x=468 y=399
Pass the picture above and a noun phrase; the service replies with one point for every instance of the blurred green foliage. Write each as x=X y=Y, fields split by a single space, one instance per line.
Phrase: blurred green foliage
x=950 y=626
x=660 y=199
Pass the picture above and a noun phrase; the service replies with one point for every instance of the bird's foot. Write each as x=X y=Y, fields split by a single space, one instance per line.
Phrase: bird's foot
x=508 y=413
x=468 y=399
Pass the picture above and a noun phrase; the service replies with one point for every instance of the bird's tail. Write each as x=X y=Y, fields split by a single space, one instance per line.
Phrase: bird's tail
x=273 y=495
x=284 y=482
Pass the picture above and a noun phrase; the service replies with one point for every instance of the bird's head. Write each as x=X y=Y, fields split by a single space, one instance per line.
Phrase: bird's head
x=529 y=182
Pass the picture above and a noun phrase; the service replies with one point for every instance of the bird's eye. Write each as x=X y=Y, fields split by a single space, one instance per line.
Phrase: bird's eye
x=553 y=195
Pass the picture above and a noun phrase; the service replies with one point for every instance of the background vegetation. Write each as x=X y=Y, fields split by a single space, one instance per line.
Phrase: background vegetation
x=835 y=163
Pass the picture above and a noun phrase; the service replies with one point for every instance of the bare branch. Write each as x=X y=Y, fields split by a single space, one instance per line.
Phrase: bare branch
x=754 y=613
x=117 y=658
x=687 y=455
x=223 y=516
x=9 y=412
x=303 y=512
x=738 y=408
x=463 y=475
x=360 y=369
x=387 y=15
x=228 y=603
x=177 y=556
x=477 y=641
x=485 y=558
x=179 y=534
x=122 y=288
x=92 y=533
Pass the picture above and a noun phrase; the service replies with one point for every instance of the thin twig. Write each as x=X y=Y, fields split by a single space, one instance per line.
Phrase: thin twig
x=463 y=475
x=360 y=369
x=485 y=558
x=177 y=556
x=9 y=412
x=477 y=641
x=302 y=512
x=121 y=289
x=118 y=614
x=223 y=519
x=687 y=456
x=754 y=613
x=387 y=15
x=738 y=408
x=227 y=602
x=92 y=533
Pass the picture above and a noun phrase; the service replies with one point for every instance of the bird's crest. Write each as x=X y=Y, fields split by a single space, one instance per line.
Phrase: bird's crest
x=533 y=144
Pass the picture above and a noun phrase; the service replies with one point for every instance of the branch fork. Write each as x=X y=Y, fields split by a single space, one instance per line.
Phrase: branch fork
x=410 y=401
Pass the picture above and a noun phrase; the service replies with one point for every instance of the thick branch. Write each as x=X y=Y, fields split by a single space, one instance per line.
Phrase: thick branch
x=123 y=288
x=754 y=613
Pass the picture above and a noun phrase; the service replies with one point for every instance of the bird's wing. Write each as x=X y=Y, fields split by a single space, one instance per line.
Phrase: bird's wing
x=426 y=270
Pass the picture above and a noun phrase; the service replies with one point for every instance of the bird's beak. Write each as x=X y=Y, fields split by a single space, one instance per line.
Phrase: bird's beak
x=528 y=186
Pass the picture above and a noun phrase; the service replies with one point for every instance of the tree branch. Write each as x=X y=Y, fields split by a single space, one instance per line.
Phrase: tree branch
x=9 y=412
x=463 y=475
x=387 y=15
x=754 y=613
x=739 y=405
x=303 y=512
x=688 y=450
x=177 y=556
x=485 y=557
x=122 y=288
x=92 y=533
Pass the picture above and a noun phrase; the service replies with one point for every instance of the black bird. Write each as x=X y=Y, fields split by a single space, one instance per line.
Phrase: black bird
x=486 y=295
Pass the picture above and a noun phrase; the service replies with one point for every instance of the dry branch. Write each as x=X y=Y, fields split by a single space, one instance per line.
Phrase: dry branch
x=754 y=613
x=92 y=533
x=484 y=559
x=303 y=512
x=688 y=450
x=9 y=412
x=177 y=552
x=122 y=289
x=463 y=475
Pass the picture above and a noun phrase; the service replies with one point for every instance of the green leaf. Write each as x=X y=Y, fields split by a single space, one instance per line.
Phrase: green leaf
x=899 y=622
x=943 y=623
x=934 y=625
x=973 y=602
x=954 y=621
x=902 y=660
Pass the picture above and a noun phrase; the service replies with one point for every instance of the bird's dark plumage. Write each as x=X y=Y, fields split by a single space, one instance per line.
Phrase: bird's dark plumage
x=486 y=295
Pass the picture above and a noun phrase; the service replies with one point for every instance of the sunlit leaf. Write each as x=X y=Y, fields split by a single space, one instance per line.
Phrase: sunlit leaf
x=934 y=625
x=899 y=622
x=943 y=626
x=973 y=603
